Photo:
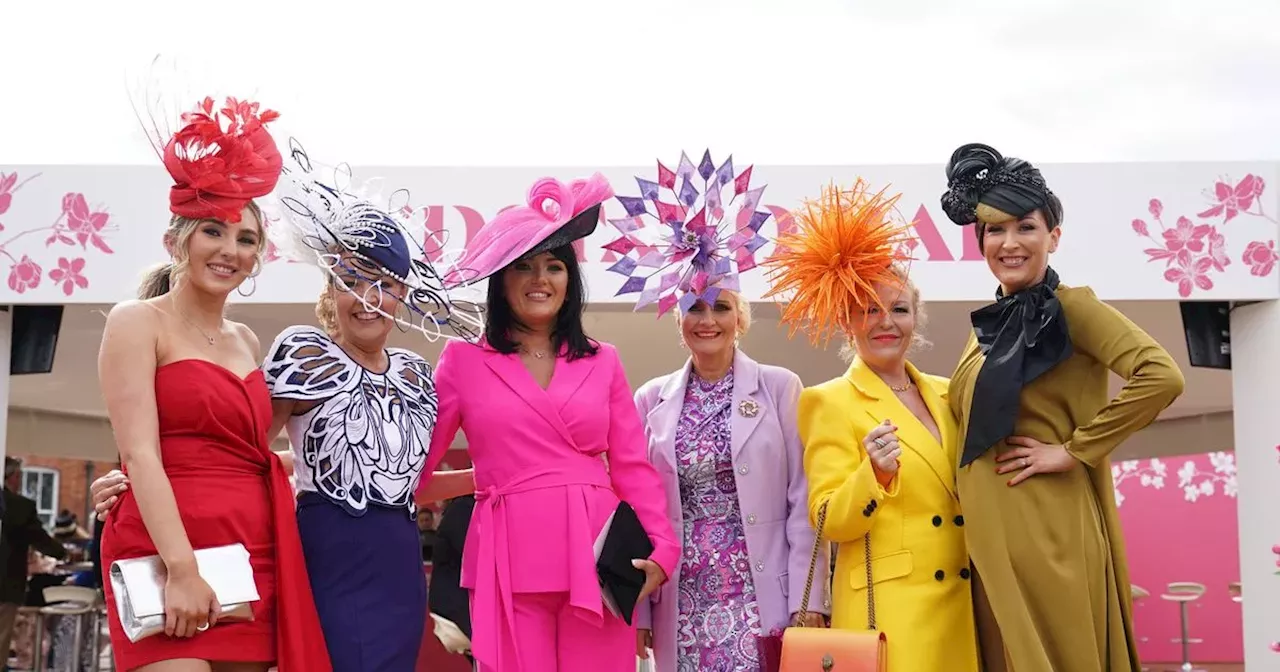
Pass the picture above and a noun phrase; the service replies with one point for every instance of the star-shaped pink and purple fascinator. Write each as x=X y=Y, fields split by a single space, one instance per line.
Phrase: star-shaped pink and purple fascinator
x=695 y=244
x=555 y=214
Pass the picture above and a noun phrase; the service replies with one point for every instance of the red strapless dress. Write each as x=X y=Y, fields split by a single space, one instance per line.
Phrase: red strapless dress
x=230 y=488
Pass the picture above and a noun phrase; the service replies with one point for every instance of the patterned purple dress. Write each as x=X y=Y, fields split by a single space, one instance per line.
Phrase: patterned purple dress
x=719 y=619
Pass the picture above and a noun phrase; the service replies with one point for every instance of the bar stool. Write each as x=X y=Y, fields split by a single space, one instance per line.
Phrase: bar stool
x=1139 y=594
x=37 y=637
x=106 y=659
x=75 y=602
x=1184 y=593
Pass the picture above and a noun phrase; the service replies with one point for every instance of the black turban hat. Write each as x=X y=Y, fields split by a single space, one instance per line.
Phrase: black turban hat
x=984 y=186
x=1023 y=335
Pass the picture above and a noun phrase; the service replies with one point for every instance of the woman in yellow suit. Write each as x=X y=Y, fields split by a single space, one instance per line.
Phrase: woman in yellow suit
x=880 y=441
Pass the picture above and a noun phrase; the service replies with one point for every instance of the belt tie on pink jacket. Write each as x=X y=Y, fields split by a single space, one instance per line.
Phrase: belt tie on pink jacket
x=492 y=596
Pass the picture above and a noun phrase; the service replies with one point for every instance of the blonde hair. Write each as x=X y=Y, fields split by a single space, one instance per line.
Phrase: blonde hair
x=159 y=279
x=918 y=341
x=327 y=311
x=741 y=306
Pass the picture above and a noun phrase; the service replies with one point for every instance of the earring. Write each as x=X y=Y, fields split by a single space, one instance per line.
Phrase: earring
x=253 y=281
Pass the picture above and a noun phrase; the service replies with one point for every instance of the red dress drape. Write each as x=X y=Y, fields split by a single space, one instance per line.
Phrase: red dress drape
x=229 y=488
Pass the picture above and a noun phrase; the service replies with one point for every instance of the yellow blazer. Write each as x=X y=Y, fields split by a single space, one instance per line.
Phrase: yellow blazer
x=919 y=565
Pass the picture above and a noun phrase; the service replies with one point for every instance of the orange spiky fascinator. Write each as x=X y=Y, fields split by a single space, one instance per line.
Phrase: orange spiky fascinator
x=843 y=245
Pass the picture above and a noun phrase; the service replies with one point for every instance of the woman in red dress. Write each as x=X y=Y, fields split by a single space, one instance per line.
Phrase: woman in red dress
x=191 y=410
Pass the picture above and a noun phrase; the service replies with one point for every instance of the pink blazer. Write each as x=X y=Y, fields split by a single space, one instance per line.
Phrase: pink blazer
x=773 y=494
x=543 y=491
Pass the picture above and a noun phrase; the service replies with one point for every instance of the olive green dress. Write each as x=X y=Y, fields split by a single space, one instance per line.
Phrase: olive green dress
x=1049 y=552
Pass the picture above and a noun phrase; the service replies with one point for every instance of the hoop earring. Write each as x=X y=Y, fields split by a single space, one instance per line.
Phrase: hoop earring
x=253 y=287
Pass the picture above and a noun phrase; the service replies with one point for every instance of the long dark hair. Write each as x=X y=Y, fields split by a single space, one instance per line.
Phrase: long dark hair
x=500 y=321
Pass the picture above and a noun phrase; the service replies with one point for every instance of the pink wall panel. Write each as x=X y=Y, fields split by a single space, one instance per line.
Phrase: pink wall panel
x=1179 y=520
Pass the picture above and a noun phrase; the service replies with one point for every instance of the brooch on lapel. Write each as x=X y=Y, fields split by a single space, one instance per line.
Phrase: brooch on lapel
x=748 y=408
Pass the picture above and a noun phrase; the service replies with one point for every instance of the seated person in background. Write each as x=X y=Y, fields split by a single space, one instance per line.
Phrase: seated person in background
x=20 y=532
x=446 y=599
x=427 y=532
x=67 y=531
x=92 y=577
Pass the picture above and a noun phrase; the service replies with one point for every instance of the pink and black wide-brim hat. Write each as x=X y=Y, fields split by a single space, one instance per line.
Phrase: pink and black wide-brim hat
x=555 y=215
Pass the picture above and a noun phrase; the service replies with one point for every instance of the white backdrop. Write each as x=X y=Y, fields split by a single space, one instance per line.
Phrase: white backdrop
x=1214 y=237
x=1255 y=331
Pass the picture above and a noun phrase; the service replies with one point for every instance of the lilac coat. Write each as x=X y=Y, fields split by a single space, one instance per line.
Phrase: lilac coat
x=772 y=493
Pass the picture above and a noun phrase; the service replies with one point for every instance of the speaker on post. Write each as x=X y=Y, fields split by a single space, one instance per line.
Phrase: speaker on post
x=1207 y=325
x=34 y=339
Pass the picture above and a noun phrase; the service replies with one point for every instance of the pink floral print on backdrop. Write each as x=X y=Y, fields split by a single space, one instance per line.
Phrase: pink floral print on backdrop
x=272 y=253
x=1275 y=646
x=78 y=225
x=1261 y=257
x=1192 y=251
x=1275 y=550
x=69 y=274
x=24 y=275
x=9 y=184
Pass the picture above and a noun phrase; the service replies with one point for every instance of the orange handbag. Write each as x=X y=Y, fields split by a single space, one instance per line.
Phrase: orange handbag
x=827 y=649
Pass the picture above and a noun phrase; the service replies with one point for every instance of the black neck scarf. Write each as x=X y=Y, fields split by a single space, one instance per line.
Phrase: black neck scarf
x=1023 y=335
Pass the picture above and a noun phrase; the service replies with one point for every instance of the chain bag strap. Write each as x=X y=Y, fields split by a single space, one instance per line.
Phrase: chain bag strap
x=807 y=649
x=813 y=566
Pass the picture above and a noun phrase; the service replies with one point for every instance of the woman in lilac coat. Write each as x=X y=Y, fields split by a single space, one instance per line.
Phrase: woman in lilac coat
x=722 y=435
x=721 y=430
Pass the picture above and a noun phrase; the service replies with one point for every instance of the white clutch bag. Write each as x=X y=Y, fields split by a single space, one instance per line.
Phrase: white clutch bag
x=450 y=635
x=139 y=583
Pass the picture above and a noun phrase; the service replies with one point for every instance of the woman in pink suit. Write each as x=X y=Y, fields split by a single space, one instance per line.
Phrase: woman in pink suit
x=541 y=404
x=722 y=434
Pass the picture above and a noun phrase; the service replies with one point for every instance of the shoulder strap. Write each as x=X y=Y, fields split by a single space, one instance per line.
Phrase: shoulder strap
x=813 y=565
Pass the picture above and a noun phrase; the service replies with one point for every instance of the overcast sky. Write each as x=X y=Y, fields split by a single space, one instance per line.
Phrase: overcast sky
x=610 y=82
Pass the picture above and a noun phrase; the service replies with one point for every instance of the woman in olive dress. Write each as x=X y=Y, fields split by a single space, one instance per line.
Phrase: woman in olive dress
x=1037 y=426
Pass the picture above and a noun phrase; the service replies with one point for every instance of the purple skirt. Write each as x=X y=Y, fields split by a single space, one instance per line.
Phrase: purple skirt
x=368 y=582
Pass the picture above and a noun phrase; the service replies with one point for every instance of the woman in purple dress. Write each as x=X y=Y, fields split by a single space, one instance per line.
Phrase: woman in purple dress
x=722 y=435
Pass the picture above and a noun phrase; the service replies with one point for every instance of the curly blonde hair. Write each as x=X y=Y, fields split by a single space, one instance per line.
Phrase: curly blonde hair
x=327 y=311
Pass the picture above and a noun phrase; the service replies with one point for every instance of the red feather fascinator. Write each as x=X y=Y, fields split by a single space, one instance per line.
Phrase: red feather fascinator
x=221 y=159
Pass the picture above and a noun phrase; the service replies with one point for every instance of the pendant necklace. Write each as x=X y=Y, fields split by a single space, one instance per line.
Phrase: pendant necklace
x=188 y=320
x=538 y=354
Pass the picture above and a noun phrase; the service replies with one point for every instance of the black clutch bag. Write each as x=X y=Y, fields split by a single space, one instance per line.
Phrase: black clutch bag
x=622 y=540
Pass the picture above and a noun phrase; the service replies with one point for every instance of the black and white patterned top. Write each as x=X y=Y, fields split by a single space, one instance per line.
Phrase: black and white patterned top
x=365 y=440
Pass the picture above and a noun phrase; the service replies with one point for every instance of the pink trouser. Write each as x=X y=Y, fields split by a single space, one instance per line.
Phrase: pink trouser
x=552 y=639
